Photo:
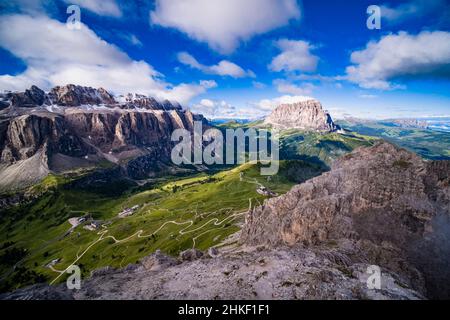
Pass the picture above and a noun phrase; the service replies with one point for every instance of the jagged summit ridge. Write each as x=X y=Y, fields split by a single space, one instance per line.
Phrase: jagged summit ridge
x=304 y=115
x=76 y=96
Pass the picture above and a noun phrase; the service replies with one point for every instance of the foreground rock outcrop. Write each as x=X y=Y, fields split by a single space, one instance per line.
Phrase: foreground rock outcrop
x=304 y=115
x=387 y=201
x=285 y=273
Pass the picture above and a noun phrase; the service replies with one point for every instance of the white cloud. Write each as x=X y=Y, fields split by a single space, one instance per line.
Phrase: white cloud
x=215 y=109
x=410 y=10
x=221 y=109
x=295 y=56
x=368 y=96
x=134 y=40
x=100 y=7
x=224 y=24
x=399 y=56
x=125 y=37
x=184 y=92
x=284 y=86
x=258 y=85
x=55 y=55
x=207 y=103
x=223 y=68
x=269 y=104
x=316 y=77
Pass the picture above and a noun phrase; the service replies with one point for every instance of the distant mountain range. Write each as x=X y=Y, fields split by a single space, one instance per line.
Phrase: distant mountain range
x=71 y=127
x=430 y=123
x=427 y=137
x=437 y=123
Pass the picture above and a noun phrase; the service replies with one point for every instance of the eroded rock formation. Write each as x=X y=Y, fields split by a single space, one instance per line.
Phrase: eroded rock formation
x=74 y=126
x=304 y=115
x=381 y=202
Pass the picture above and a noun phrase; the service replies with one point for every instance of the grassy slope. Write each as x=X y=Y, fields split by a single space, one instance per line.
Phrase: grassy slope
x=321 y=148
x=314 y=147
x=40 y=228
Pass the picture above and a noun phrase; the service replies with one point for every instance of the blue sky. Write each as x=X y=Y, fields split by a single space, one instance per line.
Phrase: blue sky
x=230 y=58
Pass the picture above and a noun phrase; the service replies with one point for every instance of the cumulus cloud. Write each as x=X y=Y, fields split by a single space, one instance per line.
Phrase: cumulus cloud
x=410 y=10
x=399 y=56
x=131 y=39
x=215 y=109
x=221 y=109
x=316 y=77
x=258 y=85
x=100 y=7
x=368 y=96
x=268 y=105
x=295 y=56
x=223 y=68
x=184 y=92
x=55 y=55
x=284 y=86
x=224 y=24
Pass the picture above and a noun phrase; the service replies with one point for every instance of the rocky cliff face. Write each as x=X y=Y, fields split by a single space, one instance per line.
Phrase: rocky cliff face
x=137 y=101
x=78 y=96
x=74 y=126
x=382 y=202
x=305 y=115
x=30 y=98
x=75 y=96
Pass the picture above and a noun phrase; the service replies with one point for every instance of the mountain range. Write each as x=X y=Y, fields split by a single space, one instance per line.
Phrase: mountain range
x=73 y=127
